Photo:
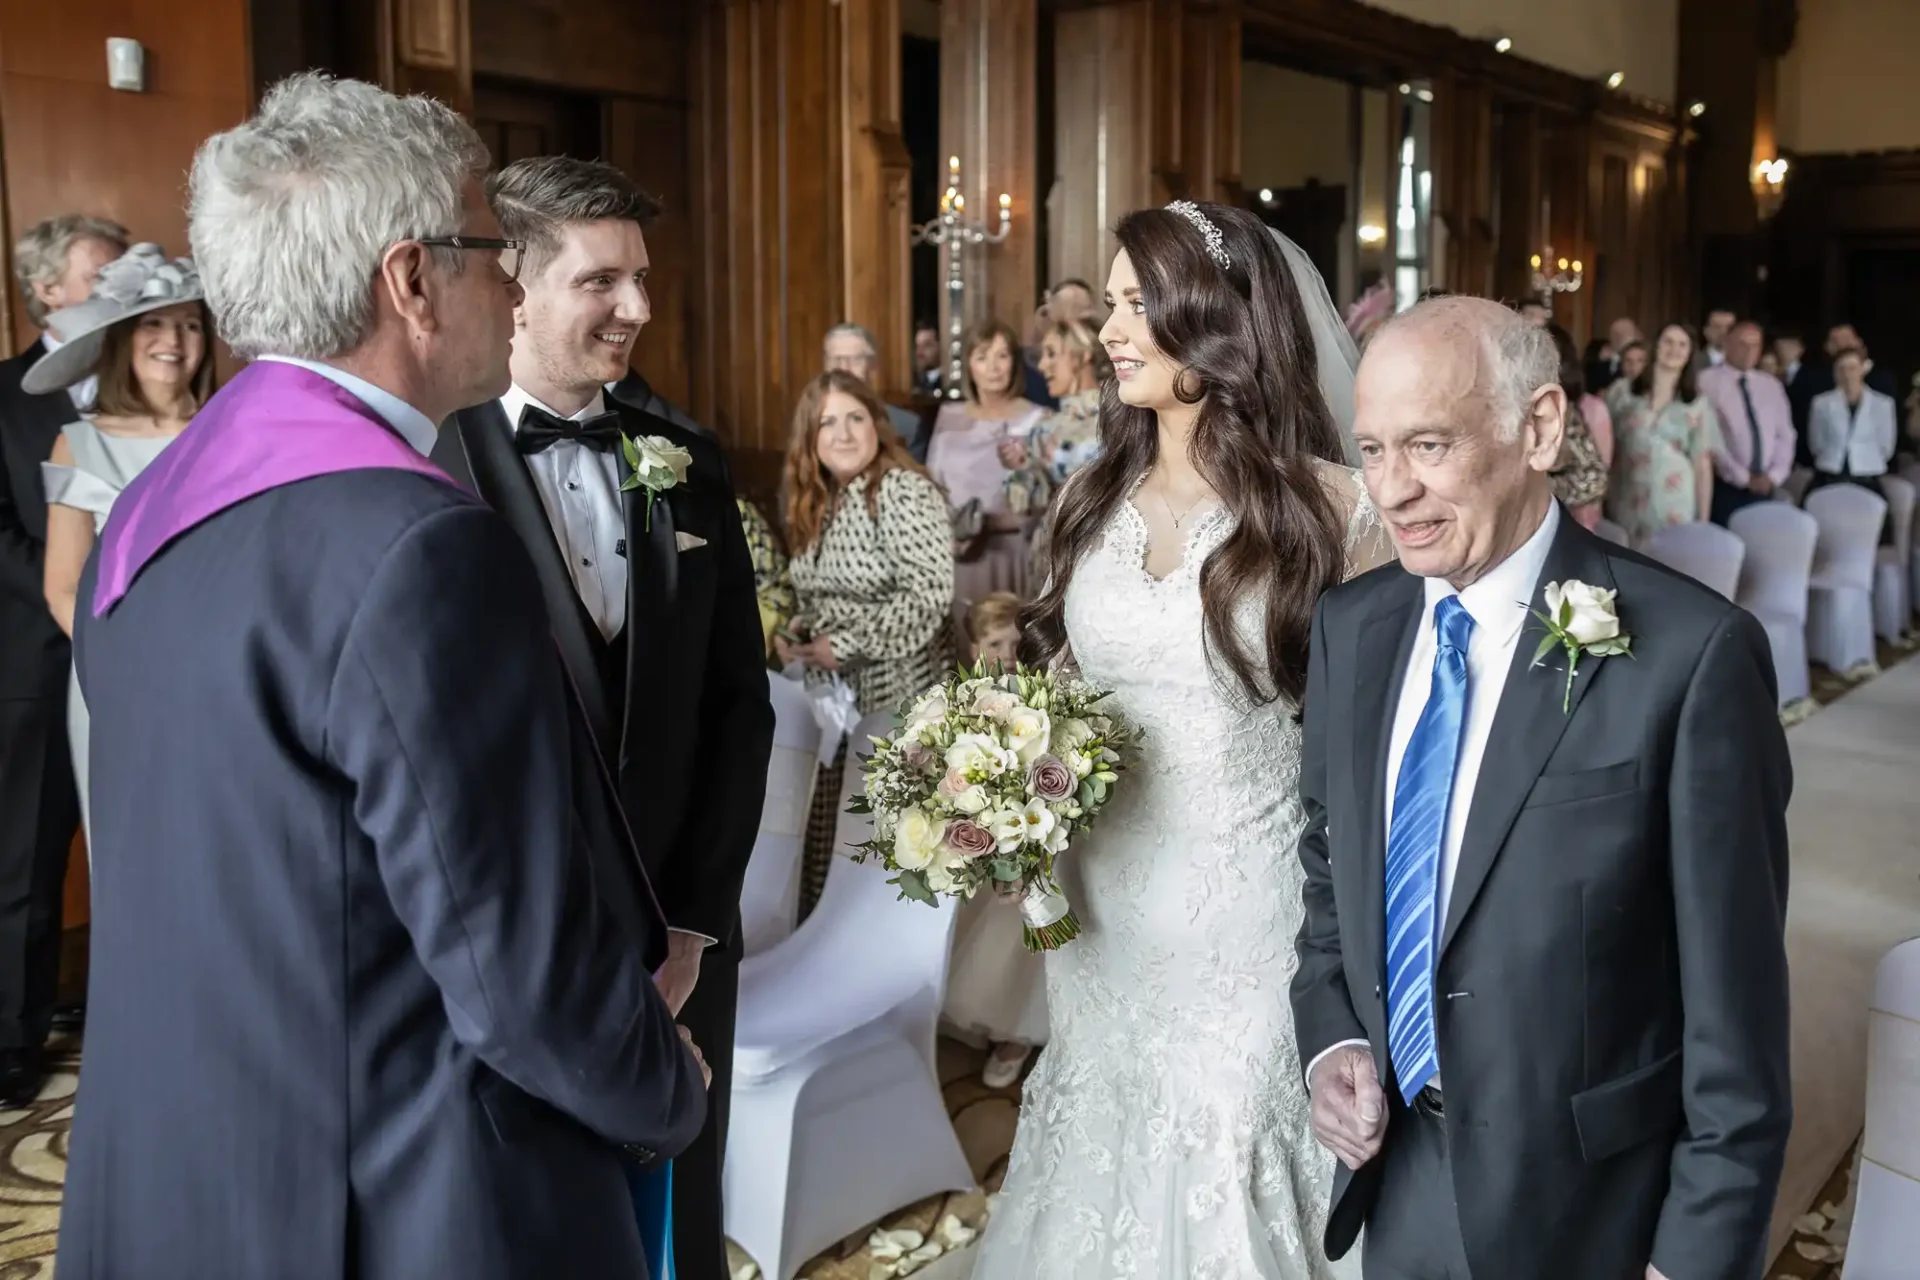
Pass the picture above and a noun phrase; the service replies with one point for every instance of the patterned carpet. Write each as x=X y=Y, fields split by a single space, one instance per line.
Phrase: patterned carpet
x=34 y=1145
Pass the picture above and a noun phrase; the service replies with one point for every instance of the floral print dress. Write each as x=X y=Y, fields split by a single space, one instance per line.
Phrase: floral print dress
x=1656 y=462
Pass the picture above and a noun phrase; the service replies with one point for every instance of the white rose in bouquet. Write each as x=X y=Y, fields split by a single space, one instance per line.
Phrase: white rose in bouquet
x=978 y=758
x=1028 y=733
x=916 y=838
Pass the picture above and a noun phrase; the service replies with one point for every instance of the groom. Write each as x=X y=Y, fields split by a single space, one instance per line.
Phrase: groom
x=652 y=599
x=1542 y=988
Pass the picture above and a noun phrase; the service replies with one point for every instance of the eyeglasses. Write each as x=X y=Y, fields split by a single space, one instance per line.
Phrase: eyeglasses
x=512 y=252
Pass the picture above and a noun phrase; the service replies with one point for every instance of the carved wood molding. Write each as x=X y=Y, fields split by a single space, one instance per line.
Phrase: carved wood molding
x=430 y=33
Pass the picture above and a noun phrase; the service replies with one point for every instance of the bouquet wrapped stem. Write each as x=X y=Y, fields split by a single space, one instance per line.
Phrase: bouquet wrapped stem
x=989 y=780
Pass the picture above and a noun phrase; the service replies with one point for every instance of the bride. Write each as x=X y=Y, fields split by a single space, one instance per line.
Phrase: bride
x=1164 y=1132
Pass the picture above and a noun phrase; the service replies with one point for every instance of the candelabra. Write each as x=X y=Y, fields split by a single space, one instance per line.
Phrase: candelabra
x=1769 y=187
x=951 y=231
x=1566 y=278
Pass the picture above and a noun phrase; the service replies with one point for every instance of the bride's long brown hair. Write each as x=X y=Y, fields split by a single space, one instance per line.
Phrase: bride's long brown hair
x=1241 y=339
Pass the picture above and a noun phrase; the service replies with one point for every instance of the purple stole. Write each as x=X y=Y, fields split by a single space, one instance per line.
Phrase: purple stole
x=274 y=424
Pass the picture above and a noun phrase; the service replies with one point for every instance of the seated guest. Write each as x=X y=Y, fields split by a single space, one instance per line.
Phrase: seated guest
x=872 y=568
x=142 y=336
x=1064 y=441
x=364 y=899
x=964 y=458
x=996 y=988
x=1853 y=430
x=1580 y=482
x=772 y=585
x=1753 y=455
x=851 y=348
x=1664 y=432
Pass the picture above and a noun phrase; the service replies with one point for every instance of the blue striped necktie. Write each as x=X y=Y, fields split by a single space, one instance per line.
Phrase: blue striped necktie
x=1414 y=842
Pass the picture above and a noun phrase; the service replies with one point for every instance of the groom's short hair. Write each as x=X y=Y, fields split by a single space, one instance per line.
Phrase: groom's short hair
x=534 y=199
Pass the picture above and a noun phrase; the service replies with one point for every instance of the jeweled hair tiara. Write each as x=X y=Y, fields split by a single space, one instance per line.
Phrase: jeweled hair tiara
x=1216 y=244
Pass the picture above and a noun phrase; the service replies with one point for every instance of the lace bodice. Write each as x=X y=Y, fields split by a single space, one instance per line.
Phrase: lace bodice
x=1165 y=1131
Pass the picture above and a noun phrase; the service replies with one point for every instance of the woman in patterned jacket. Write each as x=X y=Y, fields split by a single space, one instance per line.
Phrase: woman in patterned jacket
x=872 y=566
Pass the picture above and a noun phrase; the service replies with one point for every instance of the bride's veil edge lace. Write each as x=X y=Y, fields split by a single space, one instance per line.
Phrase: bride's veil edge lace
x=1333 y=346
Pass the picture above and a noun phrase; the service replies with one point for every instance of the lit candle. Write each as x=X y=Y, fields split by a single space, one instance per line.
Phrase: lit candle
x=1576 y=266
x=1536 y=262
x=1006 y=202
x=953 y=170
x=960 y=203
x=1563 y=264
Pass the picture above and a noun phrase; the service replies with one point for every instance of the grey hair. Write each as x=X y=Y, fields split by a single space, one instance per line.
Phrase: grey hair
x=535 y=198
x=1517 y=358
x=291 y=212
x=40 y=256
x=846 y=328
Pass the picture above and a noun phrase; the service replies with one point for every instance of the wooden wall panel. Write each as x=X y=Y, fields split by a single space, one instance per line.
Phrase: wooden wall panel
x=632 y=47
x=650 y=141
x=71 y=143
x=988 y=91
x=877 y=168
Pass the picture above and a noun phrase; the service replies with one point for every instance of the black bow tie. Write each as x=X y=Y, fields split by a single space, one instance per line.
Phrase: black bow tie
x=541 y=430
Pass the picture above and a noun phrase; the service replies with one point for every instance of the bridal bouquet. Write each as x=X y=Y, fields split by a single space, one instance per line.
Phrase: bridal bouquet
x=987 y=783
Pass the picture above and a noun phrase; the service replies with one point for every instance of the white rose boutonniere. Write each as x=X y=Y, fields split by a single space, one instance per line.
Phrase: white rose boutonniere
x=1580 y=619
x=658 y=465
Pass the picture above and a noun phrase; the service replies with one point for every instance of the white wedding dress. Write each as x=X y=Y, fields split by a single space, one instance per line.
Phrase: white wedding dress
x=1164 y=1132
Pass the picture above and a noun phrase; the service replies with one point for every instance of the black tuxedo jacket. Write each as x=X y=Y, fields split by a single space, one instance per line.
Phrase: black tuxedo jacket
x=689 y=746
x=33 y=651
x=1611 y=979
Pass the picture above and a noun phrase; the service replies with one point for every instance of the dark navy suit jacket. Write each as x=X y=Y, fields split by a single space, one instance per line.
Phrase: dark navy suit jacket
x=371 y=982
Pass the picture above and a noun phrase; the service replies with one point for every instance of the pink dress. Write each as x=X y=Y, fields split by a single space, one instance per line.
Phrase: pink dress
x=964 y=456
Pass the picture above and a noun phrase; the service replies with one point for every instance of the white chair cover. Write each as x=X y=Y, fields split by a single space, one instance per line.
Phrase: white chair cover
x=1795 y=489
x=770 y=894
x=1910 y=472
x=1885 y=1240
x=1773 y=585
x=1704 y=552
x=1892 y=603
x=837 y=1117
x=1611 y=532
x=1840 y=604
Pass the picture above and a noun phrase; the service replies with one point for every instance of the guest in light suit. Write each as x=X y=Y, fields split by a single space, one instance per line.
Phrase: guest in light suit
x=1853 y=430
x=372 y=975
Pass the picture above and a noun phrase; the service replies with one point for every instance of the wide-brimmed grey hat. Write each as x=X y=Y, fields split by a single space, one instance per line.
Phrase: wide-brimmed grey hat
x=140 y=280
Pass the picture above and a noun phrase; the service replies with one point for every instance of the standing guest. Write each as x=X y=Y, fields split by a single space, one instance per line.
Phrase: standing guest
x=964 y=458
x=1753 y=454
x=1821 y=378
x=142 y=339
x=872 y=568
x=1854 y=431
x=651 y=592
x=56 y=263
x=1713 y=334
x=1789 y=351
x=1769 y=363
x=1589 y=436
x=927 y=364
x=1604 y=366
x=1664 y=433
x=996 y=988
x=1069 y=438
x=852 y=348
x=1634 y=358
x=772 y=584
x=363 y=894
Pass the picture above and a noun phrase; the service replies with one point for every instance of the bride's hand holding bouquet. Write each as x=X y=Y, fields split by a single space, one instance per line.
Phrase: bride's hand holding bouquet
x=987 y=783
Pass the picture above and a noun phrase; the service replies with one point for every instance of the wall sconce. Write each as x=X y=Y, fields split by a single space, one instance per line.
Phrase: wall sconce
x=1769 y=187
x=1566 y=277
x=1266 y=195
x=1370 y=234
x=1502 y=45
x=126 y=65
x=1617 y=79
x=1696 y=108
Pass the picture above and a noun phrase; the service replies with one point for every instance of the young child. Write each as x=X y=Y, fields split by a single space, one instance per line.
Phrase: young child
x=993 y=629
x=996 y=988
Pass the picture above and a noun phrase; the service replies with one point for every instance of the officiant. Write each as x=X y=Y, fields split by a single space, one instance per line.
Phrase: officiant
x=647 y=576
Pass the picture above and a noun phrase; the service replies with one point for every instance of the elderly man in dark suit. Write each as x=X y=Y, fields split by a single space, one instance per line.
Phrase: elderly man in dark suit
x=1543 y=984
x=373 y=988
x=647 y=576
x=56 y=262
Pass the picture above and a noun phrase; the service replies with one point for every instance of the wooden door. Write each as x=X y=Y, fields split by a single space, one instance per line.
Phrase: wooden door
x=519 y=121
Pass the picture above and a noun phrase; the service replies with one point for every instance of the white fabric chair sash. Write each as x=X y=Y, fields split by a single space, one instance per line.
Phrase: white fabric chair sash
x=1892 y=597
x=1885 y=1239
x=1773 y=585
x=1840 y=613
x=770 y=894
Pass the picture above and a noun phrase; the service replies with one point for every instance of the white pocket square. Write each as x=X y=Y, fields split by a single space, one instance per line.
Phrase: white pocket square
x=687 y=541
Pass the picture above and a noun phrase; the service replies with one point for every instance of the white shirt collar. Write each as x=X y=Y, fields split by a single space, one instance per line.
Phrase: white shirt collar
x=1498 y=602
x=517 y=399
x=414 y=426
x=51 y=343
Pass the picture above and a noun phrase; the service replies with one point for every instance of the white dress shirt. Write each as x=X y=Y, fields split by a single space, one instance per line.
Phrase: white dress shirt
x=1498 y=604
x=82 y=392
x=580 y=489
x=413 y=426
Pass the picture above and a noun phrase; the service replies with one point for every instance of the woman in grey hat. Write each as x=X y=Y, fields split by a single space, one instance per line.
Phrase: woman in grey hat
x=145 y=333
